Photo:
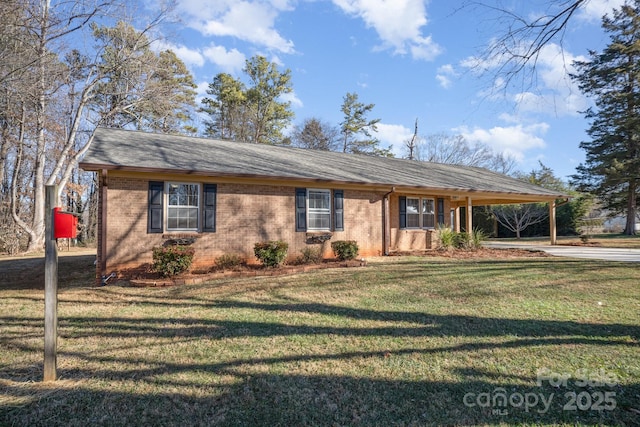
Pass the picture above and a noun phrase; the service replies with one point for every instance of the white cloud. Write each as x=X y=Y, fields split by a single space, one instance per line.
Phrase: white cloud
x=594 y=10
x=293 y=99
x=398 y=24
x=444 y=75
x=189 y=56
x=553 y=93
x=394 y=136
x=251 y=21
x=514 y=140
x=559 y=95
x=228 y=60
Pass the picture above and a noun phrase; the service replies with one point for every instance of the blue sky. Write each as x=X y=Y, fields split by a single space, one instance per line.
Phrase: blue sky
x=411 y=58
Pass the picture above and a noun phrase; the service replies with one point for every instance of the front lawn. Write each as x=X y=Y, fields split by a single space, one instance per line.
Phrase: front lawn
x=404 y=341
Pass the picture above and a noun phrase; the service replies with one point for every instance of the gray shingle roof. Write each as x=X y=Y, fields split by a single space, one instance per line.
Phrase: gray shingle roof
x=133 y=150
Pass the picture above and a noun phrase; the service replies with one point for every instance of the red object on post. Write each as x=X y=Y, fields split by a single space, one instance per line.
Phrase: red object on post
x=65 y=225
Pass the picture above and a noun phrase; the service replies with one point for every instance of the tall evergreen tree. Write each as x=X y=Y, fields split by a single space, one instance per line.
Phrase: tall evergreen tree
x=357 y=130
x=612 y=79
x=226 y=108
x=269 y=113
x=254 y=113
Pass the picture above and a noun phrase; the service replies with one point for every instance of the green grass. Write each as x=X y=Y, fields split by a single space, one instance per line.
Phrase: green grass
x=400 y=342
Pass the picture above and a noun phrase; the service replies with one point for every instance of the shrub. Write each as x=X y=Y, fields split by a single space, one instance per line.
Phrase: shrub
x=310 y=255
x=477 y=238
x=229 y=261
x=172 y=260
x=271 y=253
x=449 y=239
x=446 y=238
x=345 y=249
x=461 y=240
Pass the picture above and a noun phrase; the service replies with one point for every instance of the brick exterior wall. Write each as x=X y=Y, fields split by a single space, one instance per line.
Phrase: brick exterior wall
x=245 y=214
x=413 y=239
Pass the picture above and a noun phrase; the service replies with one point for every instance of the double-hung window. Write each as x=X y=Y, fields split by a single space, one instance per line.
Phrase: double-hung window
x=413 y=212
x=182 y=206
x=417 y=212
x=428 y=213
x=319 y=209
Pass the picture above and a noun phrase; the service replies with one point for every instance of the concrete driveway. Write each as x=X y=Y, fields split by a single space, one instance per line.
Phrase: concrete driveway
x=588 y=252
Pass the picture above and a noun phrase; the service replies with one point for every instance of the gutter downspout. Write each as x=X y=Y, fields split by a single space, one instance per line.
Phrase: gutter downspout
x=386 y=225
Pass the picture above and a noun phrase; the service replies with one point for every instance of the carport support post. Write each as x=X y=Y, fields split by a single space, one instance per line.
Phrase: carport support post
x=469 y=216
x=50 y=287
x=552 y=221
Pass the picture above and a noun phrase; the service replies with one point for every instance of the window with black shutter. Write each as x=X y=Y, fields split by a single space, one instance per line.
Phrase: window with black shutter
x=209 y=193
x=440 y=211
x=417 y=212
x=316 y=211
x=338 y=210
x=181 y=207
x=155 y=222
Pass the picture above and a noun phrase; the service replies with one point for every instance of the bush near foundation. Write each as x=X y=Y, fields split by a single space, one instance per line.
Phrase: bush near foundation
x=271 y=253
x=229 y=261
x=172 y=260
x=345 y=249
x=310 y=255
x=449 y=239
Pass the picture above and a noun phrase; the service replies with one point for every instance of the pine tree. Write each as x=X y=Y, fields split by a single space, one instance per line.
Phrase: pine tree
x=612 y=79
x=357 y=130
x=254 y=113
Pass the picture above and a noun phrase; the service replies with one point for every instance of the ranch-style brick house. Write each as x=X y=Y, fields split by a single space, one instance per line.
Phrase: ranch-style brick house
x=226 y=196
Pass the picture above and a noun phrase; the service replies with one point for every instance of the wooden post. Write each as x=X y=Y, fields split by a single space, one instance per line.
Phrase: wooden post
x=469 y=216
x=456 y=225
x=50 y=287
x=552 y=222
x=385 y=225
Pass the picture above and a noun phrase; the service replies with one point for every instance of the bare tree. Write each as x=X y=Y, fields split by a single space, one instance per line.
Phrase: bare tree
x=456 y=150
x=315 y=134
x=53 y=96
x=412 y=143
x=518 y=217
x=515 y=52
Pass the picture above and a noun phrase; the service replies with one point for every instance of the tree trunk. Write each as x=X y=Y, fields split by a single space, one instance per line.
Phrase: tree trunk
x=630 y=227
x=36 y=242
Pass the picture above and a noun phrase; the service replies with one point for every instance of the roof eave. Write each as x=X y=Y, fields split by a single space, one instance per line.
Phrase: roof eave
x=497 y=197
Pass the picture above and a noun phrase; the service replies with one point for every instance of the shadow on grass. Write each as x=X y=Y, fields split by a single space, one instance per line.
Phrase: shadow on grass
x=303 y=400
x=128 y=388
x=167 y=393
x=28 y=273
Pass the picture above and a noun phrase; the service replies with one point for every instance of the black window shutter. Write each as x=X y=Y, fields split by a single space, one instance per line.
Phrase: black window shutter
x=440 y=211
x=403 y=211
x=154 y=222
x=209 y=192
x=301 y=209
x=338 y=210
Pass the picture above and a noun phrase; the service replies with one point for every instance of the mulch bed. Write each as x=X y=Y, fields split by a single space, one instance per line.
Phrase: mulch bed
x=148 y=278
x=143 y=279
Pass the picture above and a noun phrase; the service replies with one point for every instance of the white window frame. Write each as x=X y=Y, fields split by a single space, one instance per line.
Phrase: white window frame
x=414 y=215
x=168 y=208
x=421 y=213
x=319 y=211
x=424 y=213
